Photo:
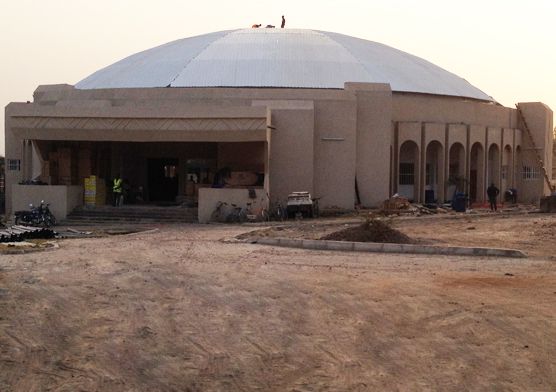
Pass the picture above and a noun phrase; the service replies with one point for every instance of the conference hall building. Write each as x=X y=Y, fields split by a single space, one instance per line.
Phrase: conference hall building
x=351 y=121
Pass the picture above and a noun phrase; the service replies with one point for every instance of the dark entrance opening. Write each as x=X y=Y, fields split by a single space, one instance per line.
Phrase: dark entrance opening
x=473 y=185
x=163 y=179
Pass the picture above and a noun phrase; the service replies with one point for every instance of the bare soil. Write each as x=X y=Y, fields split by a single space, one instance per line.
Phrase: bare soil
x=373 y=230
x=534 y=233
x=180 y=310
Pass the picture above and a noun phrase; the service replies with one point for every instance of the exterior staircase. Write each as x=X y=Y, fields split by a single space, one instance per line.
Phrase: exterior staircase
x=130 y=214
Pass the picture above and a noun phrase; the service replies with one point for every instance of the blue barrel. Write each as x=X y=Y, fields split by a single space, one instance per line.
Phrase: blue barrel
x=459 y=202
x=429 y=196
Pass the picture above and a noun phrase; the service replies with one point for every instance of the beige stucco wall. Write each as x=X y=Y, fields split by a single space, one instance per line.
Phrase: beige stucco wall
x=430 y=108
x=508 y=137
x=374 y=141
x=291 y=150
x=318 y=140
x=539 y=118
x=477 y=134
x=494 y=136
x=209 y=198
x=13 y=151
x=457 y=133
x=335 y=153
x=63 y=199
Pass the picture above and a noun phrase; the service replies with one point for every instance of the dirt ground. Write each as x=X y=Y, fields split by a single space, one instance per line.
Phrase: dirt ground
x=534 y=233
x=180 y=310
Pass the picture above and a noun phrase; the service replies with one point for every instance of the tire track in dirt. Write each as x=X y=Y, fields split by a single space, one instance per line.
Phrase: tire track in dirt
x=206 y=316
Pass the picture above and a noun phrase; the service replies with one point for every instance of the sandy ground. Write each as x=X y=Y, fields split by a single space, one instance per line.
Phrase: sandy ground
x=533 y=233
x=179 y=310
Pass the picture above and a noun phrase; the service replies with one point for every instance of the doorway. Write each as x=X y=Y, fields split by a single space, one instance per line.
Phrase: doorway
x=162 y=179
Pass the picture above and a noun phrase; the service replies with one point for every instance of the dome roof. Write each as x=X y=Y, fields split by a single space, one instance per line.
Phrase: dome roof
x=278 y=58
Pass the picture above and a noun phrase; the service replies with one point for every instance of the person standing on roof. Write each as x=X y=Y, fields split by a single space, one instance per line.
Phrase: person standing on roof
x=283 y=22
x=492 y=193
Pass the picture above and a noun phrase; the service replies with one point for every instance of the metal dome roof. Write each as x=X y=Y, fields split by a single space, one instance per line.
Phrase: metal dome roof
x=278 y=58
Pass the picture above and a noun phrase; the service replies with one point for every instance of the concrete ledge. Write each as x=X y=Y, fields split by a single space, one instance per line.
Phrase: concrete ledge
x=389 y=248
x=339 y=245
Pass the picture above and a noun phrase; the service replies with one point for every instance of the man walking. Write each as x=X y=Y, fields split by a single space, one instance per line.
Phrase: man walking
x=492 y=193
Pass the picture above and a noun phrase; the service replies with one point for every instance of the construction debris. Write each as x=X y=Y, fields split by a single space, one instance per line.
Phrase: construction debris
x=395 y=204
x=372 y=230
x=19 y=233
x=548 y=204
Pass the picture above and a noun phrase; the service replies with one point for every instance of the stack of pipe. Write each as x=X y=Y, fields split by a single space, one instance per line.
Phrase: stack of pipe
x=21 y=233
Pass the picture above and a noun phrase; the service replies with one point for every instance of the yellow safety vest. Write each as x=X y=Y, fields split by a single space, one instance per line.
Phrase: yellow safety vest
x=117 y=188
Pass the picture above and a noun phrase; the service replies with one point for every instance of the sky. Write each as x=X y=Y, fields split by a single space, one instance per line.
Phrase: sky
x=504 y=47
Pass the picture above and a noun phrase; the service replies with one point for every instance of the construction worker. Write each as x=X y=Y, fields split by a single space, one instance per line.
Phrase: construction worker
x=492 y=193
x=117 y=189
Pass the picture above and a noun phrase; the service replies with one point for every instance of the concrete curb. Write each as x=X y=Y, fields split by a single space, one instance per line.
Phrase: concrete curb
x=388 y=248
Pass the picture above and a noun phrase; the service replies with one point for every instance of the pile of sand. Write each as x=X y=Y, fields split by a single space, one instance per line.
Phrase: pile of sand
x=373 y=230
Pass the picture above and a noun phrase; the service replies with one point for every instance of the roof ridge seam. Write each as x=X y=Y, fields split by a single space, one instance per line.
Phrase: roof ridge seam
x=198 y=54
x=346 y=49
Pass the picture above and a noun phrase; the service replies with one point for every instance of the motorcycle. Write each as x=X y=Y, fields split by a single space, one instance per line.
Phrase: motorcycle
x=36 y=216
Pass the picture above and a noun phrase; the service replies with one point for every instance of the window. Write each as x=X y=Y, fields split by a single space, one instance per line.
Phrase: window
x=530 y=173
x=430 y=174
x=14 y=164
x=407 y=174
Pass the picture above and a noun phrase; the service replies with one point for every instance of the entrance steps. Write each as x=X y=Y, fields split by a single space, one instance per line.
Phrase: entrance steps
x=130 y=214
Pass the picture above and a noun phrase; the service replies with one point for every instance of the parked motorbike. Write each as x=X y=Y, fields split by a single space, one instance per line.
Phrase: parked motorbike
x=36 y=216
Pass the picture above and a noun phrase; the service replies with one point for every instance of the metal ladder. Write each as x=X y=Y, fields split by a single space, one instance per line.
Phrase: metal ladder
x=537 y=155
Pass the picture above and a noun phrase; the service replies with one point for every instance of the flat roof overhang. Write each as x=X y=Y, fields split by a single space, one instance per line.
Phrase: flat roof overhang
x=114 y=124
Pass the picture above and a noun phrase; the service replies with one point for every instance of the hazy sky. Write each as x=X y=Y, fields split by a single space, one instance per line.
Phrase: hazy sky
x=504 y=47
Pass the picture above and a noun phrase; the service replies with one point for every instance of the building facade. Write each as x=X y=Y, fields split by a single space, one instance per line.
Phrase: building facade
x=309 y=118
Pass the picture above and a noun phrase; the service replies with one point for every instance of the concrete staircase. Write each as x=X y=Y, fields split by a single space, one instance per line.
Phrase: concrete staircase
x=130 y=214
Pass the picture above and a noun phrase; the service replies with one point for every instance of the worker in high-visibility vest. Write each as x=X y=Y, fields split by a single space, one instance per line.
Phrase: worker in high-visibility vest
x=117 y=189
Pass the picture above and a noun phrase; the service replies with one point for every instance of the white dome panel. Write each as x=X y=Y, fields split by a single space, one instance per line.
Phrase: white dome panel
x=278 y=58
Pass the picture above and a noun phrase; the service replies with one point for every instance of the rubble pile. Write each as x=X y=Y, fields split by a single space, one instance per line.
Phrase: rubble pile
x=399 y=205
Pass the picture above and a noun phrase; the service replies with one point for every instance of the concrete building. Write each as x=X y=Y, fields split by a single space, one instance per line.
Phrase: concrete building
x=305 y=110
x=2 y=186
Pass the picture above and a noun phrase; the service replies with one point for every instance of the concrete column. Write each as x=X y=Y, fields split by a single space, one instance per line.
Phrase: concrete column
x=422 y=165
x=395 y=164
x=446 y=166
x=485 y=167
x=374 y=137
x=467 y=159
x=27 y=160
